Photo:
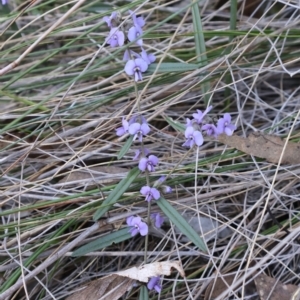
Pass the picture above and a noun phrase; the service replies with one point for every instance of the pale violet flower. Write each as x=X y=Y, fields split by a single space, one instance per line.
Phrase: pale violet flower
x=158 y=219
x=139 y=153
x=134 y=33
x=148 y=163
x=137 y=226
x=136 y=67
x=139 y=130
x=200 y=115
x=111 y=21
x=148 y=58
x=192 y=137
x=154 y=284
x=115 y=38
x=211 y=130
x=225 y=126
x=150 y=193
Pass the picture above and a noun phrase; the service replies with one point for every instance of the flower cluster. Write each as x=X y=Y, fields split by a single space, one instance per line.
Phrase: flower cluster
x=195 y=127
x=136 y=63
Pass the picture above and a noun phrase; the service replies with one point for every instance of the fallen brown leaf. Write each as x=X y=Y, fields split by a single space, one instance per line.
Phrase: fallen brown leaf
x=114 y=286
x=271 y=289
x=265 y=146
x=107 y=288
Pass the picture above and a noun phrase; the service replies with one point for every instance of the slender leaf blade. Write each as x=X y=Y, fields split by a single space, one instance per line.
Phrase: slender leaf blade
x=116 y=193
x=175 y=125
x=181 y=223
x=126 y=147
x=104 y=241
x=172 y=67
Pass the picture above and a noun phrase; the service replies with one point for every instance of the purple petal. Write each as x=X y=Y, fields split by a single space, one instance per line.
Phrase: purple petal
x=145 y=190
x=134 y=128
x=143 y=228
x=188 y=143
x=158 y=220
x=140 y=63
x=227 y=117
x=134 y=231
x=154 y=159
x=139 y=22
x=129 y=220
x=143 y=164
x=120 y=131
x=154 y=283
x=198 y=138
x=129 y=67
x=228 y=131
x=132 y=33
x=145 y=128
x=189 y=131
x=155 y=193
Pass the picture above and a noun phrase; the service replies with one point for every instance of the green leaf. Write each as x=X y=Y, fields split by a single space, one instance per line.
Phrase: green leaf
x=144 y=293
x=126 y=147
x=172 y=67
x=200 y=46
x=104 y=241
x=116 y=193
x=181 y=223
x=174 y=124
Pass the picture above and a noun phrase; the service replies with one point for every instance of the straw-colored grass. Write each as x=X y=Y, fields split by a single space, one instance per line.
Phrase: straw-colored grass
x=59 y=108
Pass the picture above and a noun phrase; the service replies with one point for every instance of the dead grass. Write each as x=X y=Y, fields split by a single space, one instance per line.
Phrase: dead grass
x=58 y=149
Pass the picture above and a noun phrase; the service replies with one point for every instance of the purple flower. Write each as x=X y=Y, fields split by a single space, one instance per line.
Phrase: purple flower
x=148 y=163
x=134 y=33
x=137 y=21
x=148 y=58
x=138 y=130
x=154 y=283
x=116 y=38
x=111 y=21
x=150 y=193
x=157 y=219
x=225 y=126
x=124 y=129
x=199 y=115
x=193 y=137
x=138 y=226
x=211 y=130
x=136 y=67
x=139 y=153
x=125 y=126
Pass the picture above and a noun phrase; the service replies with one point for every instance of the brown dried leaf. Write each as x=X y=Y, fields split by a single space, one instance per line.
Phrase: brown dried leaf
x=271 y=289
x=114 y=286
x=107 y=288
x=265 y=146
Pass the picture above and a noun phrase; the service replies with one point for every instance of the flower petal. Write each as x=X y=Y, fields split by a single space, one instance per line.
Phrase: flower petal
x=129 y=67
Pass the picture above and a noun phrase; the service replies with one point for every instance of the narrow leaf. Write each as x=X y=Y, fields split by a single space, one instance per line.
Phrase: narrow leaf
x=200 y=46
x=144 y=295
x=116 y=193
x=175 y=124
x=181 y=223
x=104 y=241
x=172 y=67
x=126 y=147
